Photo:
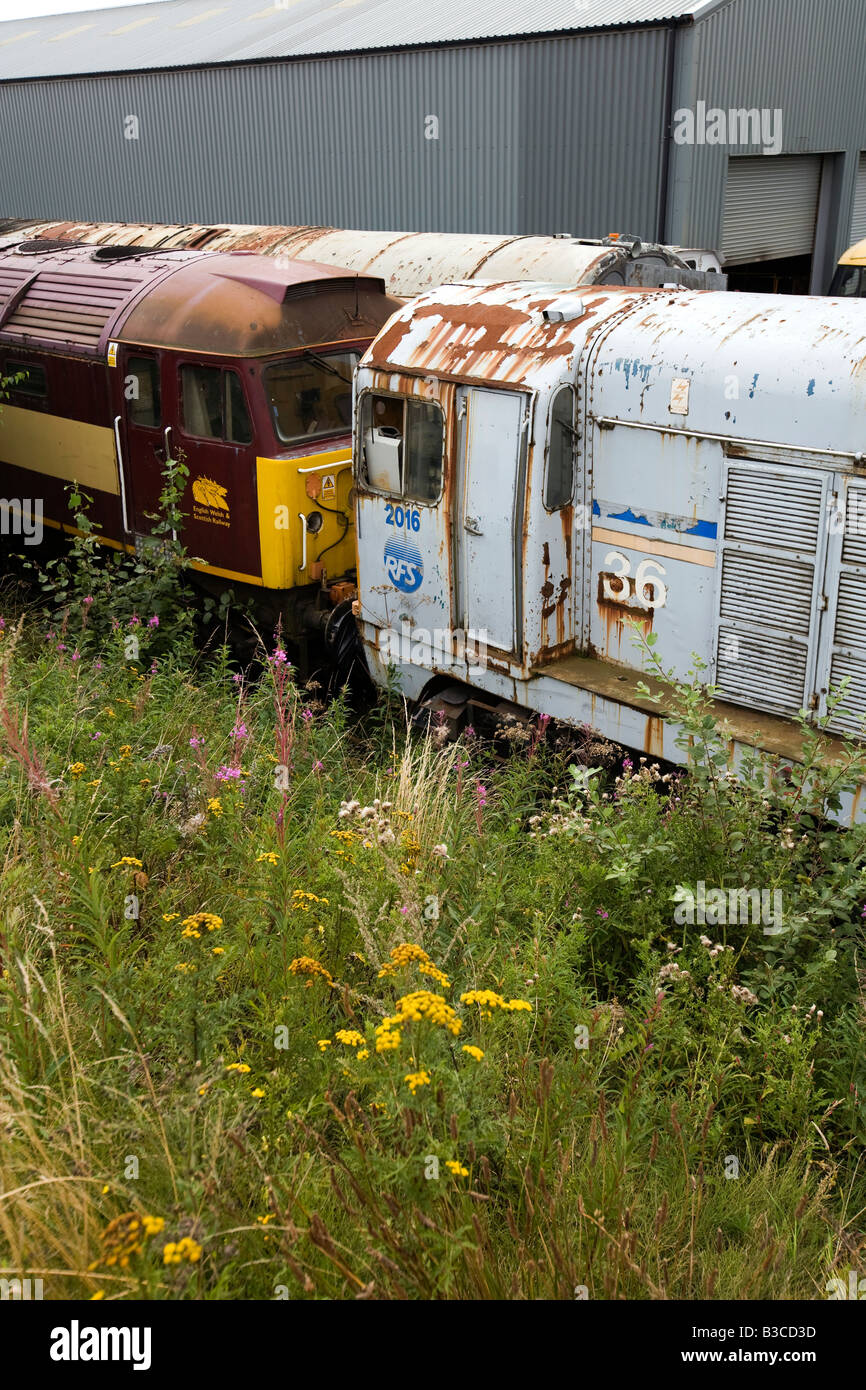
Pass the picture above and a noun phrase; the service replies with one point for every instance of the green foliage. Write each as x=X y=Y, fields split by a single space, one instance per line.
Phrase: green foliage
x=241 y=940
x=91 y=589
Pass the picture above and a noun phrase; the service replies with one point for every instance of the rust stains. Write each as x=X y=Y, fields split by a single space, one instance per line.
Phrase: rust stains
x=654 y=736
x=491 y=332
x=618 y=609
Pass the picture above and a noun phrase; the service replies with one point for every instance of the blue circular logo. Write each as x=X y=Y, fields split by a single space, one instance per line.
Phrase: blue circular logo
x=403 y=564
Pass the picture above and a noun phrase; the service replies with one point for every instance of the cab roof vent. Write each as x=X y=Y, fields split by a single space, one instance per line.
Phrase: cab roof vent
x=564 y=310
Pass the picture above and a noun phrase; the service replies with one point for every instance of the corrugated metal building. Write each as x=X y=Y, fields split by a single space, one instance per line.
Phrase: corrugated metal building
x=563 y=115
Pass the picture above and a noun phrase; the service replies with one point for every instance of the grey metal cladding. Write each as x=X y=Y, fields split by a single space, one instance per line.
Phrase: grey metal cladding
x=534 y=136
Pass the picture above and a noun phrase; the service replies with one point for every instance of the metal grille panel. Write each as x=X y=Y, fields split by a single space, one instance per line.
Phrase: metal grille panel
x=786 y=509
x=774 y=592
x=771 y=541
x=754 y=669
x=68 y=308
x=850 y=720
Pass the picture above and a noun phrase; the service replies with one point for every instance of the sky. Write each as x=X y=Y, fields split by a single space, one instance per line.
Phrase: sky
x=28 y=9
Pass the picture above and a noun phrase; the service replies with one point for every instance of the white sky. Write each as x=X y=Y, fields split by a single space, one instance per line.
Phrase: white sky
x=28 y=9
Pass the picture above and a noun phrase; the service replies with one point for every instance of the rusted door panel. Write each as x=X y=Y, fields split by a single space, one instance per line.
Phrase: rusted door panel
x=489 y=526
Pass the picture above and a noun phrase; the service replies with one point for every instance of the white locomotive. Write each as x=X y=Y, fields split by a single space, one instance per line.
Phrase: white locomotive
x=544 y=475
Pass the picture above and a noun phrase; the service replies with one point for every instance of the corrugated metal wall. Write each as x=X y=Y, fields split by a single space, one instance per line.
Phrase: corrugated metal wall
x=534 y=136
x=801 y=57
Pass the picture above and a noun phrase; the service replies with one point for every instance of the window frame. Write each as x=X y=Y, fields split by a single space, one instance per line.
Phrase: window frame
x=861 y=282
x=296 y=441
x=569 y=501
x=9 y=370
x=145 y=357
x=370 y=392
x=220 y=439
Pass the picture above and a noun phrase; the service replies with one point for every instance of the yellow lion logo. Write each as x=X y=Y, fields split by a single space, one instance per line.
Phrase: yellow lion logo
x=209 y=494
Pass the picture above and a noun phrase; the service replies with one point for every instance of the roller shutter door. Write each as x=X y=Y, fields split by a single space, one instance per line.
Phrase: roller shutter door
x=771 y=207
x=858 y=218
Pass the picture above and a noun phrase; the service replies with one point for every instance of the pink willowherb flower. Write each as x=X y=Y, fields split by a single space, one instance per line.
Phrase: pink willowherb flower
x=153 y=622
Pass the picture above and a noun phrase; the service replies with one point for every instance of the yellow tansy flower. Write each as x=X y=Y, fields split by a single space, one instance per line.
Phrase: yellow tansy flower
x=416 y=1079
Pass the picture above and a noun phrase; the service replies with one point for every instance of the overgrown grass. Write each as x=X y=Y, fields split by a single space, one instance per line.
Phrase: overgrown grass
x=208 y=1027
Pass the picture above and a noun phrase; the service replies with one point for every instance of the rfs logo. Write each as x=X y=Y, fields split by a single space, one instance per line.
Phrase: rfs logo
x=403 y=565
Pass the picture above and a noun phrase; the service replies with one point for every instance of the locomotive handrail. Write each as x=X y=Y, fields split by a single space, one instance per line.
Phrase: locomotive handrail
x=303 y=520
x=120 y=479
x=327 y=467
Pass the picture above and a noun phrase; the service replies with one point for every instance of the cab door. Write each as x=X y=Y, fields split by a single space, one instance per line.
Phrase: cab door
x=489 y=530
x=140 y=433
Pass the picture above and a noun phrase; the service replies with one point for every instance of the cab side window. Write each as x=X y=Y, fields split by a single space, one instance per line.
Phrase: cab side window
x=402 y=446
x=25 y=379
x=141 y=388
x=214 y=406
x=559 y=483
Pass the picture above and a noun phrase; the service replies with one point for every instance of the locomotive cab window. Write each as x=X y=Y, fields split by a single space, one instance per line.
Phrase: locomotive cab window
x=559 y=483
x=141 y=388
x=848 y=282
x=25 y=379
x=214 y=406
x=311 y=396
x=402 y=446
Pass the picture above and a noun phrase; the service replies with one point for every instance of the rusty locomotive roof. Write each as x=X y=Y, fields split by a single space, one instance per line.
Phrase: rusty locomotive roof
x=497 y=332
x=409 y=262
x=235 y=303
